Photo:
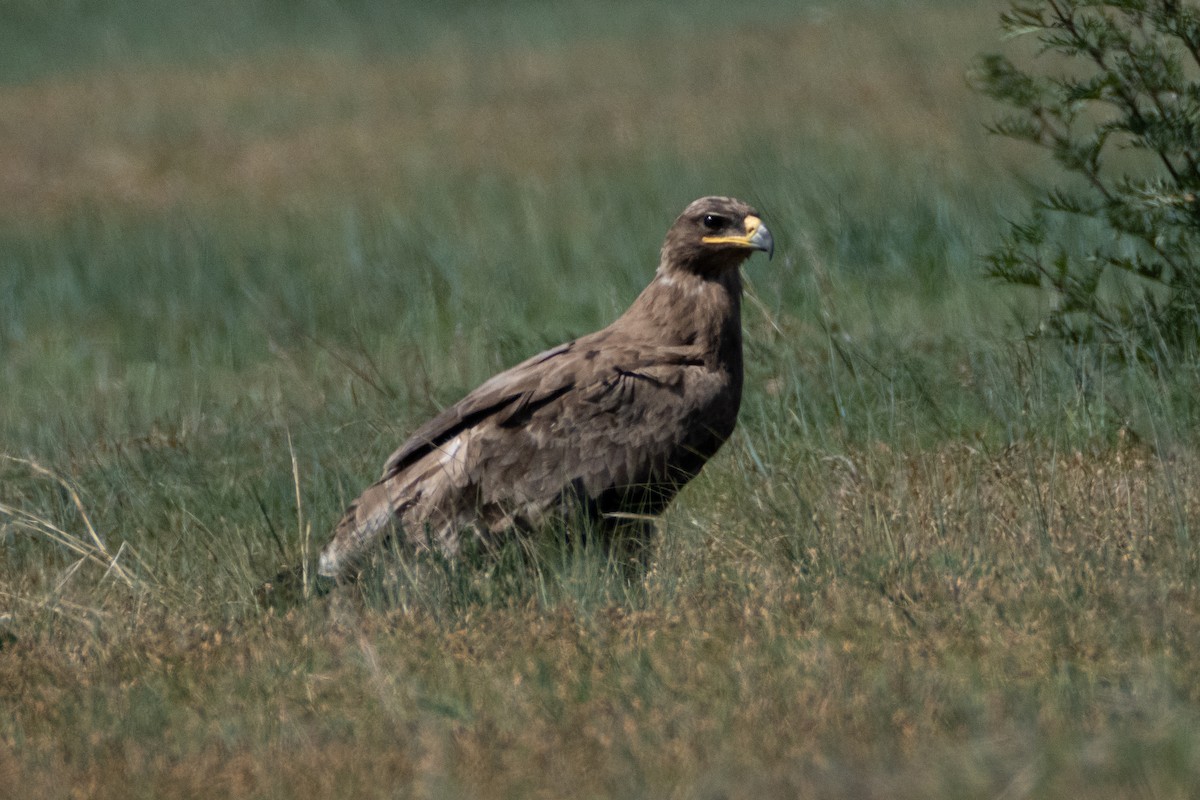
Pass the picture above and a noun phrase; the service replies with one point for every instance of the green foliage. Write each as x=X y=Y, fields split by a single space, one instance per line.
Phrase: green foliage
x=1115 y=100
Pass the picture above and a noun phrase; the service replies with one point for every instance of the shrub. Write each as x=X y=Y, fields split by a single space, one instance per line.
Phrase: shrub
x=1113 y=94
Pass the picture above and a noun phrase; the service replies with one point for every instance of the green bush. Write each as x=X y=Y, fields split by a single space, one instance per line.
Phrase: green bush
x=1112 y=92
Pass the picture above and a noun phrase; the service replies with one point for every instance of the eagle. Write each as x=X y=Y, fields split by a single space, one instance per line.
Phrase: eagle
x=610 y=425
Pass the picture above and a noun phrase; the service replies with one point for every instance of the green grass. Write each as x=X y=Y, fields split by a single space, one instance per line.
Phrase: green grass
x=41 y=38
x=242 y=257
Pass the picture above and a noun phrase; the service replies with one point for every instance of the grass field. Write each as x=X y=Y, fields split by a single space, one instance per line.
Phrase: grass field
x=246 y=247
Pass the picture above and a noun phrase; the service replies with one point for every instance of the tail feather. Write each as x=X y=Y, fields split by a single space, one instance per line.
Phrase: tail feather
x=366 y=521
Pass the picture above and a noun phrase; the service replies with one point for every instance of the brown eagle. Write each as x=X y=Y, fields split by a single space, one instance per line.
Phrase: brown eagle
x=612 y=424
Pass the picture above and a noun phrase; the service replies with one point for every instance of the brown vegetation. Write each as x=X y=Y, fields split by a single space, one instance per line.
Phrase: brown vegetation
x=762 y=672
x=283 y=128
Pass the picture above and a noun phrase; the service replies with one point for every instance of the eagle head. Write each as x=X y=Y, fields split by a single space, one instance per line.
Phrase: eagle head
x=713 y=235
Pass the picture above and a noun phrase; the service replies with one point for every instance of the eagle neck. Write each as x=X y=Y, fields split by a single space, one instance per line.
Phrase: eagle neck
x=684 y=309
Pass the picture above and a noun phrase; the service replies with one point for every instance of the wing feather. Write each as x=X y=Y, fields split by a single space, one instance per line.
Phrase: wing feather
x=492 y=397
x=571 y=419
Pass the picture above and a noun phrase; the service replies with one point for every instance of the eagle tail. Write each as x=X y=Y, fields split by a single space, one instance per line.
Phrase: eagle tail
x=362 y=526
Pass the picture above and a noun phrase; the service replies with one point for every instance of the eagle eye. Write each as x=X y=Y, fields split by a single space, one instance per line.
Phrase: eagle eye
x=713 y=221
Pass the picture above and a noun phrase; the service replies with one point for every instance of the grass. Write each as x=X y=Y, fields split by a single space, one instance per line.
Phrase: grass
x=241 y=257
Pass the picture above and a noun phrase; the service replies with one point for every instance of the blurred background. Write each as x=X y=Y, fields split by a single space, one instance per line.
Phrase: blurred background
x=197 y=198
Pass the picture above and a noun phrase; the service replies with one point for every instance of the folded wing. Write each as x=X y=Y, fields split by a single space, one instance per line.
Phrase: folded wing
x=606 y=425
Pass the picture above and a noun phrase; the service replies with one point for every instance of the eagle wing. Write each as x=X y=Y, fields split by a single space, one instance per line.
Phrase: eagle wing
x=532 y=382
x=614 y=424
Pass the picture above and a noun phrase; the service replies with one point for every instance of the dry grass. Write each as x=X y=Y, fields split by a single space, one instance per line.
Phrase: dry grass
x=964 y=624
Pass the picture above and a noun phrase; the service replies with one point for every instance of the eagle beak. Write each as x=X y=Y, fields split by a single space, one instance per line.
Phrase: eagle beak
x=757 y=237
